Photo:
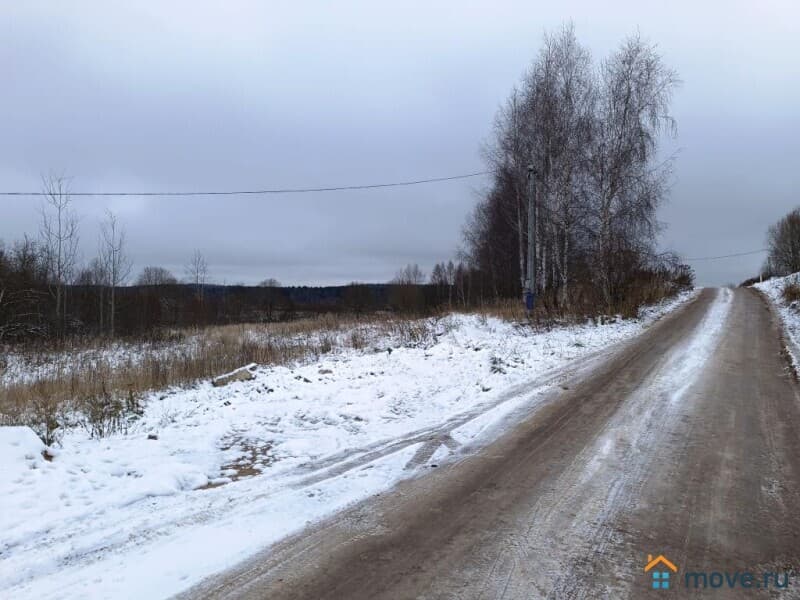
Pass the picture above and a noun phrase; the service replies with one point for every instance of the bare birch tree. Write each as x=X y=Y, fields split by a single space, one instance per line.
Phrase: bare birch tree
x=635 y=93
x=197 y=272
x=411 y=274
x=156 y=276
x=59 y=241
x=561 y=93
x=115 y=261
x=591 y=135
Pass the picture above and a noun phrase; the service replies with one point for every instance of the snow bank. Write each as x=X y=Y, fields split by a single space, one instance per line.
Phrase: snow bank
x=20 y=452
x=789 y=313
x=210 y=475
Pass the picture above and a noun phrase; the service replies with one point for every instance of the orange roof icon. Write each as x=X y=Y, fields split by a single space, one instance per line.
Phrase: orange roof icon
x=652 y=562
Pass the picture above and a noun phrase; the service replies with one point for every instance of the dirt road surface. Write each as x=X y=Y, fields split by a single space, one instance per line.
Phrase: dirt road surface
x=684 y=442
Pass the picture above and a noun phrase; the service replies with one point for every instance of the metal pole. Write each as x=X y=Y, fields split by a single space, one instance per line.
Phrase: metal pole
x=530 y=280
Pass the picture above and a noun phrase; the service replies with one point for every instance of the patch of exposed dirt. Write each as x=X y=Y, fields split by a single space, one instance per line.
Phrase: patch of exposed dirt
x=255 y=457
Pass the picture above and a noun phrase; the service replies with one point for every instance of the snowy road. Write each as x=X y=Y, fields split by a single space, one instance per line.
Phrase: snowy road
x=686 y=442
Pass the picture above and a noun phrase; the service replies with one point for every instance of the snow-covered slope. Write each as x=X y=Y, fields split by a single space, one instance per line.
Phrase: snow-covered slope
x=788 y=312
x=210 y=475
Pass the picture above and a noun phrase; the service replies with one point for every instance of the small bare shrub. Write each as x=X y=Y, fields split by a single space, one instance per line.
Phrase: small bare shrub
x=325 y=345
x=358 y=338
x=791 y=291
x=413 y=333
x=104 y=414
x=45 y=418
x=497 y=365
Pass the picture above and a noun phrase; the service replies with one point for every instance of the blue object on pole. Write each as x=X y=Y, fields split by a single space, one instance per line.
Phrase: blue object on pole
x=529 y=300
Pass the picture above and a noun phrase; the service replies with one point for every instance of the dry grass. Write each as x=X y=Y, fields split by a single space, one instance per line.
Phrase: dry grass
x=508 y=310
x=791 y=292
x=99 y=386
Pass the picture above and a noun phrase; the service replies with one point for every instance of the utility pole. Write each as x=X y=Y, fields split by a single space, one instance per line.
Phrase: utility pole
x=530 y=280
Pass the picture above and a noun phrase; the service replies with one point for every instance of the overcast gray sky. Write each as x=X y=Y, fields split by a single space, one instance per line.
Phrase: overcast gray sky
x=218 y=95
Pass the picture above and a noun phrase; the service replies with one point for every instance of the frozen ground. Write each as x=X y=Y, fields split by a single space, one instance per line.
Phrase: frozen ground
x=235 y=468
x=789 y=313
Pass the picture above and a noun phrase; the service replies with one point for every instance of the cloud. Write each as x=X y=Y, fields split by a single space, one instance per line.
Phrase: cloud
x=198 y=95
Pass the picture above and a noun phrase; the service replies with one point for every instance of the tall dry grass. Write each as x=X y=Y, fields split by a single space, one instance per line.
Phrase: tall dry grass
x=791 y=291
x=100 y=387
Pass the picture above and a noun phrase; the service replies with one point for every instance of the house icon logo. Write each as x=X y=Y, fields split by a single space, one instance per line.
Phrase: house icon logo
x=659 y=568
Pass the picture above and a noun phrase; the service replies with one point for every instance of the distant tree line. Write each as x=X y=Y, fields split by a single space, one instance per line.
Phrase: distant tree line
x=157 y=303
x=588 y=136
x=46 y=294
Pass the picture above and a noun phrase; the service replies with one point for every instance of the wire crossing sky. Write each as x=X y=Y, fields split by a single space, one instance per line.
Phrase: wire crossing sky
x=368 y=186
x=749 y=253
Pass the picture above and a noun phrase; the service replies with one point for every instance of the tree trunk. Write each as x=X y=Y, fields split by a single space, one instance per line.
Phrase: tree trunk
x=111 y=316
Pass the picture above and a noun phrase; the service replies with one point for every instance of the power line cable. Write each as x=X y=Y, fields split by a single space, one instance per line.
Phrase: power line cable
x=370 y=186
x=727 y=255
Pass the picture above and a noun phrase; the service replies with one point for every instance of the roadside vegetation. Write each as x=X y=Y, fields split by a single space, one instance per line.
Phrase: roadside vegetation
x=783 y=258
x=580 y=140
x=99 y=385
x=791 y=291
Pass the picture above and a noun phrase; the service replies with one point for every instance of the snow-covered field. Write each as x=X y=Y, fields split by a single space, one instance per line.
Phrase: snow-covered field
x=789 y=313
x=210 y=475
x=21 y=369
